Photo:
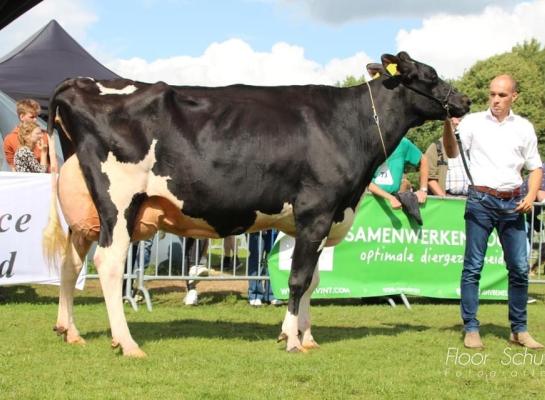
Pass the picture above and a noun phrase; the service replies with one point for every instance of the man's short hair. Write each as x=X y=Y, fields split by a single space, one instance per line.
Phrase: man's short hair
x=28 y=106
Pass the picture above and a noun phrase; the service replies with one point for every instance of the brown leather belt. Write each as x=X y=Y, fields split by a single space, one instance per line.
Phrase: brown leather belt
x=496 y=193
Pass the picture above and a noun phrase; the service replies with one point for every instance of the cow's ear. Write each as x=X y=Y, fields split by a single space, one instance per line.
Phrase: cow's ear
x=374 y=70
x=406 y=66
x=390 y=62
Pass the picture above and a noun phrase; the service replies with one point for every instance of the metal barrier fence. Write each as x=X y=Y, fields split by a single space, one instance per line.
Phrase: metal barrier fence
x=168 y=259
x=536 y=253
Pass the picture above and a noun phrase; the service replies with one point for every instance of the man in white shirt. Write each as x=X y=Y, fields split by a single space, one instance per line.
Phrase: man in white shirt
x=499 y=143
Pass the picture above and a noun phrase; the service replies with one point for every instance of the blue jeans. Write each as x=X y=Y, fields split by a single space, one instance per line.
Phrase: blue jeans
x=258 y=289
x=483 y=213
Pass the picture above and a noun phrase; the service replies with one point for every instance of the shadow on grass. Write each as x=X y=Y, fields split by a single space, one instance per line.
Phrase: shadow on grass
x=28 y=294
x=486 y=330
x=249 y=331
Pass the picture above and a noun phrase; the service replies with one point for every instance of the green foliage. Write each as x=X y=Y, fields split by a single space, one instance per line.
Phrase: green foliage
x=351 y=81
x=526 y=63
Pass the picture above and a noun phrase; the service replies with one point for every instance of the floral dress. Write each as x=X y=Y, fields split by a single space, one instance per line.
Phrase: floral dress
x=25 y=161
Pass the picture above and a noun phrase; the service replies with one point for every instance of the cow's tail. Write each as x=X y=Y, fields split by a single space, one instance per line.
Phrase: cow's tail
x=54 y=239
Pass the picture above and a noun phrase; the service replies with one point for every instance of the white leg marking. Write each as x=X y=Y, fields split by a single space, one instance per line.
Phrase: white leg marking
x=290 y=329
x=308 y=341
x=70 y=269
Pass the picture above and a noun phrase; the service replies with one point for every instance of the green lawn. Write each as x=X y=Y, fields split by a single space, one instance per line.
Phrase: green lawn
x=224 y=349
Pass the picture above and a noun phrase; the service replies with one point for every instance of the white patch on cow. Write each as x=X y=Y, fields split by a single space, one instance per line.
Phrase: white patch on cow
x=324 y=240
x=126 y=90
x=339 y=229
x=285 y=222
x=158 y=186
x=282 y=221
x=126 y=180
x=130 y=178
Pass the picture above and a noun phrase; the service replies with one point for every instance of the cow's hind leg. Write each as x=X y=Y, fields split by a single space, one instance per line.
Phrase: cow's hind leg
x=76 y=250
x=308 y=246
x=110 y=263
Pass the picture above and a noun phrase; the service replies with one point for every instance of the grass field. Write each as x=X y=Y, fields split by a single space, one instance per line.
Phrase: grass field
x=224 y=349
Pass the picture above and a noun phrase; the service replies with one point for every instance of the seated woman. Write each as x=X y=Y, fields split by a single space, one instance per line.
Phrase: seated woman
x=30 y=135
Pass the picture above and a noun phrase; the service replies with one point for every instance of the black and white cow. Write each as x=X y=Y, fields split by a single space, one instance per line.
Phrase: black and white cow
x=212 y=162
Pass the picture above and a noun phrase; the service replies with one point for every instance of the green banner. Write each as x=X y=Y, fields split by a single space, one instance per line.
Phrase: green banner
x=385 y=253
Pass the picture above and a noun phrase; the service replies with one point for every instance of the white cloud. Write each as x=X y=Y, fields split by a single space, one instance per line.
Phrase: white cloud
x=453 y=44
x=341 y=11
x=73 y=15
x=234 y=61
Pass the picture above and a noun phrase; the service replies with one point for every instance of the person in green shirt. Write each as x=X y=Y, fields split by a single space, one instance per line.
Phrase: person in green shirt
x=388 y=177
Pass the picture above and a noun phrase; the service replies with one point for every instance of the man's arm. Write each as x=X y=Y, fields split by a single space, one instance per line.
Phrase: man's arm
x=435 y=188
x=422 y=193
x=433 y=170
x=449 y=141
x=534 y=182
x=377 y=191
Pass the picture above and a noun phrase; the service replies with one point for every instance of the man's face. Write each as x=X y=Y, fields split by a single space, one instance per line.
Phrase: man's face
x=29 y=116
x=501 y=97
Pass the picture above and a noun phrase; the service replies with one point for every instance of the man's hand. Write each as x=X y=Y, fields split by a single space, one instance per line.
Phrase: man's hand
x=394 y=202
x=525 y=206
x=421 y=196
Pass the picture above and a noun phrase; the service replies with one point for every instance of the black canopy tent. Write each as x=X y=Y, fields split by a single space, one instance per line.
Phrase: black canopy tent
x=11 y=10
x=35 y=67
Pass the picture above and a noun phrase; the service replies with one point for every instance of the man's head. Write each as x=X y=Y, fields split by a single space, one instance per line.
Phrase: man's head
x=503 y=92
x=28 y=110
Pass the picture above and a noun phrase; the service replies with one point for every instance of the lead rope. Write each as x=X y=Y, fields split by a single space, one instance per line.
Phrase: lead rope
x=461 y=151
x=375 y=117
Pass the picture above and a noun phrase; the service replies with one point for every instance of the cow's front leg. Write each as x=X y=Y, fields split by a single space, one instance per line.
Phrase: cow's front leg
x=72 y=263
x=303 y=319
x=307 y=340
x=308 y=246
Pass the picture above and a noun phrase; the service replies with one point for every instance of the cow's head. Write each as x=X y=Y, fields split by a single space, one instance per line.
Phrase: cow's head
x=436 y=99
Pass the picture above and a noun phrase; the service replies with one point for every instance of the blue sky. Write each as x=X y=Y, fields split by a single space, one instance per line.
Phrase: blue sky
x=188 y=27
x=217 y=42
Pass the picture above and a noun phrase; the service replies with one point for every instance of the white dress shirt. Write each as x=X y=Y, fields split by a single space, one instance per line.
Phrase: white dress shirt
x=498 y=150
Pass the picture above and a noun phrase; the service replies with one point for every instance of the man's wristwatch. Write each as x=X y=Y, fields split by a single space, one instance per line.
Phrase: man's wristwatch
x=423 y=189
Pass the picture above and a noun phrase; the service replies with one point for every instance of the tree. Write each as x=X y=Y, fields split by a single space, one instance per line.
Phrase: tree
x=526 y=63
x=351 y=81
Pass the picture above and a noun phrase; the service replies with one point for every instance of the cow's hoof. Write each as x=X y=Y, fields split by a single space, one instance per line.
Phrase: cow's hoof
x=282 y=337
x=59 y=330
x=77 y=340
x=297 y=349
x=115 y=344
x=311 y=344
x=135 y=353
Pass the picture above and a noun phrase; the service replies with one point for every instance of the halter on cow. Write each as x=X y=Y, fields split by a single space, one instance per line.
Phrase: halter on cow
x=212 y=162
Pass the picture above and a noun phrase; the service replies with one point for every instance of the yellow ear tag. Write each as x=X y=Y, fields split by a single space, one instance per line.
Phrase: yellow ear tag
x=392 y=69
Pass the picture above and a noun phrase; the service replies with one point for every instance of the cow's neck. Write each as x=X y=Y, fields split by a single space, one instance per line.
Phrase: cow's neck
x=396 y=116
x=395 y=111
